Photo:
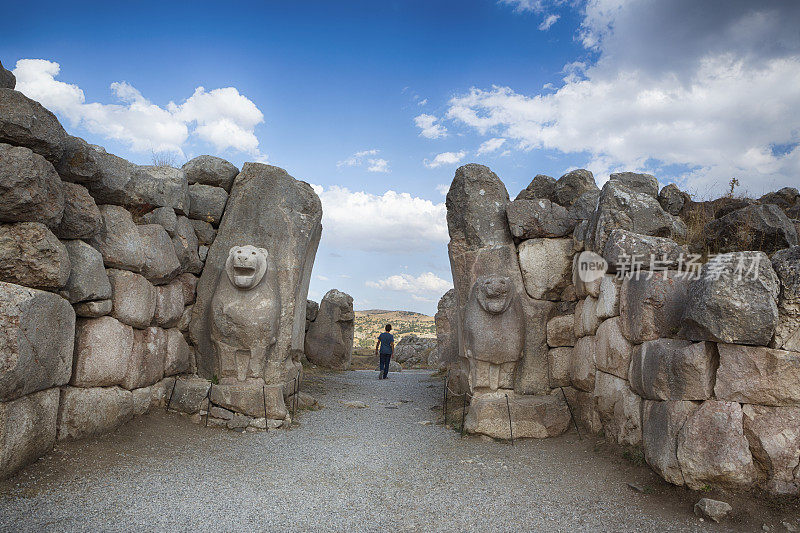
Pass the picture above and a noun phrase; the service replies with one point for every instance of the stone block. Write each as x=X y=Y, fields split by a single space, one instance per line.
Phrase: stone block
x=774 y=437
x=249 y=397
x=210 y=170
x=582 y=371
x=586 y=321
x=546 y=267
x=536 y=417
x=82 y=218
x=146 y=363
x=613 y=350
x=189 y=285
x=204 y=231
x=160 y=265
x=671 y=369
x=207 y=202
x=30 y=189
x=757 y=375
x=87 y=279
x=27 y=429
x=32 y=256
x=608 y=300
x=661 y=424
x=561 y=331
x=178 y=354
x=559 y=363
x=619 y=409
x=169 y=304
x=584 y=408
x=93 y=309
x=134 y=298
x=102 y=352
x=91 y=412
x=652 y=307
x=118 y=240
x=184 y=242
x=141 y=400
x=25 y=122
x=538 y=218
x=625 y=247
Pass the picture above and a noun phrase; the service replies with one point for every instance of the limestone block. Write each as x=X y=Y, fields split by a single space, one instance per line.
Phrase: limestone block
x=91 y=412
x=619 y=409
x=559 y=364
x=161 y=265
x=753 y=374
x=586 y=321
x=572 y=185
x=733 y=301
x=27 y=429
x=248 y=398
x=651 y=307
x=32 y=256
x=613 y=350
x=163 y=216
x=641 y=183
x=536 y=417
x=87 y=279
x=210 y=170
x=189 y=284
x=786 y=264
x=204 y=231
x=178 y=354
x=546 y=267
x=30 y=189
x=661 y=424
x=561 y=331
x=532 y=219
x=651 y=253
x=329 y=341
x=190 y=395
x=540 y=187
x=774 y=437
x=184 y=242
x=37 y=331
x=169 y=304
x=671 y=369
x=672 y=199
x=207 y=202
x=582 y=371
x=25 y=122
x=93 y=309
x=584 y=408
x=608 y=300
x=141 y=400
x=82 y=218
x=119 y=240
x=186 y=317
x=712 y=448
x=754 y=227
x=446 y=327
x=146 y=363
x=161 y=186
x=134 y=298
x=102 y=352
x=582 y=288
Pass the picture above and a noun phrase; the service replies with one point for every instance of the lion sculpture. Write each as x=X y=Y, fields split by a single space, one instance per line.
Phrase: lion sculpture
x=494 y=333
x=245 y=314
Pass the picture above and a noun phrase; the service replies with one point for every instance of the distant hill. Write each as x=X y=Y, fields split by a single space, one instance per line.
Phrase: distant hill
x=370 y=323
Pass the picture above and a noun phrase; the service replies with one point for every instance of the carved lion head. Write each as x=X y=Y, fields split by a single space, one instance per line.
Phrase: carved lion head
x=494 y=293
x=246 y=266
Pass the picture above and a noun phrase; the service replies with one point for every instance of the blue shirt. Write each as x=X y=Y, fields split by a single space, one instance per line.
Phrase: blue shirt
x=386 y=339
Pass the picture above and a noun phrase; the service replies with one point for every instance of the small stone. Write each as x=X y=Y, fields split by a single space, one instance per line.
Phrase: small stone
x=713 y=509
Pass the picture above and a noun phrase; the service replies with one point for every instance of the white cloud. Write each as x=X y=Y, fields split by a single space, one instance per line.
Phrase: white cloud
x=491 y=145
x=523 y=5
x=698 y=99
x=425 y=283
x=422 y=102
x=222 y=117
x=445 y=158
x=428 y=126
x=393 y=222
x=548 y=22
x=361 y=158
x=323 y=278
x=443 y=188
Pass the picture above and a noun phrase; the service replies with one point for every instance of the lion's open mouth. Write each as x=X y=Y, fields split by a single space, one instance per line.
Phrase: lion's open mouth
x=244 y=271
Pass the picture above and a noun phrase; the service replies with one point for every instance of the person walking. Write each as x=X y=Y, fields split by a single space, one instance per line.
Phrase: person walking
x=385 y=348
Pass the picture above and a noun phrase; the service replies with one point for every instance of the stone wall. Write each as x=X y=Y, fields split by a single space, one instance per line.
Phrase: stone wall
x=99 y=266
x=695 y=360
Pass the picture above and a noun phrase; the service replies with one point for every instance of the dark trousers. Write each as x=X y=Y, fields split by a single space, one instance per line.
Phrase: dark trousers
x=385 y=364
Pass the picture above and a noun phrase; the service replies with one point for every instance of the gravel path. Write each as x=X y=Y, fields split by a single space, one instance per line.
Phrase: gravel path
x=344 y=468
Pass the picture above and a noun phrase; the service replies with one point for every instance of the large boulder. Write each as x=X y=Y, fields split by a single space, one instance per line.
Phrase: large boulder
x=583 y=368
x=661 y=424
x=626 y=251
x=312 y=308
x=82 y=218
x=161 y=186
x=251 y=401
x=164 y=216
x=413 y=350
x=184 y=242
x=210 y=170
x=540 y=187
x=207 y=202
x=608 y=298
x=189 y=285
x=446 y=329
x=25 y=122
x=786 y=264
x=755 y=227
x=546 y=266
x=119 y=240
x=31 y=255
x=754 y=374
x=641 y=183
x=93 y=309
x=671 y=369
x=204 y=231
x=27 y=429
x=612 y=350
x=672 y=199
x=712 y=449
x=529 y=219
x=30 y=189
x=774 y=437
x=102 y=352
x=583 y=206
x=37 y=330
x=572 y=185
x=784 y=198
x=537 y=417
x=146 y=363
x=267 y=208
x=177 y=359
x=651 y=306
x=169 y=304
x=561 y=331
x=134 y=298
x=586 y=321
x=621 y=207
x=734 y=300
x=329 y=341
x=619 y=409
x=7 y=78
x=91 y=412
x=160 y=265
x=87 y=279
x=559 y=366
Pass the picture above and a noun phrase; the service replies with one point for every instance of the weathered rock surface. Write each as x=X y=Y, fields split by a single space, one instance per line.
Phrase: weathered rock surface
x=583 y=206
x=190 y=395
x=91 y=412
x=134 y=301
x=627 y=252
x=661 y=424
x=93 y=309
x=612 y=350
x=102 y=352
x=559 y=366
x=329 y=341
x=447 y=329
x=586 y=321
x=733 y=301
x=546 y=266
x=536 y=417
x=27 y=429
x=25 y=122
x=784 y=198
x=204 y=231
x=619 y=409
x=540 y=187
x=146 y=363
x=249 y=400
x=161 y=265
x=561 y=331
x=572 y=185
x=608 y=299
x=754 y=374
x=671 y=369
x=582 y=371
x=30 y=189
x=189 y=286
x=7 y=78
x=774 y=437
x=169 y=304
x=712 y=509
x=786 y=264
x=177 y=358
x=712 y=448
x=162 y=187
x=413 y=350
x=164 y=216
x=270 y=209
x=210 y=170
x=184 y=242
x=82 y=218
x=755 y=227
x=584 y=408
x=119 y=240
x=529 y=219
x=88 y=279
x=32 y=256
x=312 y=308
x=672 y=199
x=207 y=202
x=141 y=400
x=641 y=183
x=652 y=307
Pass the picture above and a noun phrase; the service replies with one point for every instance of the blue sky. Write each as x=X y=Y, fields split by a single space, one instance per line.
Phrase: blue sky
x=359 y=98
